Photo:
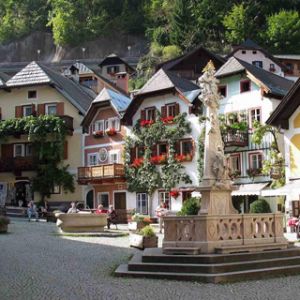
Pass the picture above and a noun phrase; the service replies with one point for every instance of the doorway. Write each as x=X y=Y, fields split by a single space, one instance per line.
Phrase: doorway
x=90 y=199
x=120 y=206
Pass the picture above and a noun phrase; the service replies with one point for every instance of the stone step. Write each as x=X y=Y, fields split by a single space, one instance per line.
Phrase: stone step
x=155 y=255
x=123 y=271
x=15 y=215
x=136 y=264
x=183 y=251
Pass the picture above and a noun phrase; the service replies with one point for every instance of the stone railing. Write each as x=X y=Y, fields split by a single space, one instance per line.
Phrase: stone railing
x=238 y=229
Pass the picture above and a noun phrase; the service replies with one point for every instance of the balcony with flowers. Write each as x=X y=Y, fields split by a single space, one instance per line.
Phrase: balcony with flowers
x=111 y=131
x=98 y=133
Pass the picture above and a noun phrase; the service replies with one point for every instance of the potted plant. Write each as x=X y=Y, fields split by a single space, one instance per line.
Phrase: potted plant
x=4 y=221
x=145 y=238
x=98 y=133
x=138 y=221
x=174 y=193
x=111 y=131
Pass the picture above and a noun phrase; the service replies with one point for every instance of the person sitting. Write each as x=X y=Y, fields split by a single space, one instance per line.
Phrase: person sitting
x=112 y=217
x=73 y=209
x=100 y=210
x=31 y=210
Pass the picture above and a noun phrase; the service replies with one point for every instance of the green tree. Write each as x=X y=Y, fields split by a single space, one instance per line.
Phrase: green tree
x=283 y=31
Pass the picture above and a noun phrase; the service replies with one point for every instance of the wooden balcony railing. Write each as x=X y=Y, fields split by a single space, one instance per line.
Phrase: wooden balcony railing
x=235 y=138
x=16 y=164
x=101 y=172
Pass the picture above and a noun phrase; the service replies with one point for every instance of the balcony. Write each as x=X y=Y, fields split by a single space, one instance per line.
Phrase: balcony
x=102 y=173
x=17 y=164
x=235 y=138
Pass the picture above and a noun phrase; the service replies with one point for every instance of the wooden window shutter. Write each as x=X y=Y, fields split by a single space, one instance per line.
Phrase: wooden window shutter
x=177 y=109
x=143 y=114
x=33 y=110
x=163 y=111
x=177 y=148
x=60 y=108
x=132 y=154
x=41 y=109
x=7 y=150
x=191 y=110
x=0 y=114
x=19 y=111
x=154 y=150
x=66 y=150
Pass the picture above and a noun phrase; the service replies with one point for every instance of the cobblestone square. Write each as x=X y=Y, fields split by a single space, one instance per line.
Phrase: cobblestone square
x=37 y=263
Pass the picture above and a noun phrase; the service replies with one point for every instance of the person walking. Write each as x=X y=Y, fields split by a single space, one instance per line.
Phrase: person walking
x=160 y=212
x=31 y=210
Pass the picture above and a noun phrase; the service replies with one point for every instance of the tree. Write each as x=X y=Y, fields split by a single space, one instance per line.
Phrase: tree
x=237 y=24
x=283 y=31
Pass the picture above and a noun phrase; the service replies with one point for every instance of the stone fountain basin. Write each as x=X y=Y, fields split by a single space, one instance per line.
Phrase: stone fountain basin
x=81 y=222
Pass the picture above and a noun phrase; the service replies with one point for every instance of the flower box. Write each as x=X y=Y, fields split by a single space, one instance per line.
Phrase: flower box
x=111 y=131
x=137 y=162
x=98 y=133
x=182 y=157
x=145 y=123
x=174 y=193
x=158 y=159
x=168 y=120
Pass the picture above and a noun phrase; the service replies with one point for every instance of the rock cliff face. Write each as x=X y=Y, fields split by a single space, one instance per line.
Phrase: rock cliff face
x=40 y=46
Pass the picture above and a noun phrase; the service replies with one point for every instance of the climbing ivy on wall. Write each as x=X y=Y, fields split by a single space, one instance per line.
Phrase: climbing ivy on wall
x=143 y=174
x=47 y=134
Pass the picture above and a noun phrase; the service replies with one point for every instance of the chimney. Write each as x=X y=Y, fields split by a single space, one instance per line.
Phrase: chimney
x=122 y=81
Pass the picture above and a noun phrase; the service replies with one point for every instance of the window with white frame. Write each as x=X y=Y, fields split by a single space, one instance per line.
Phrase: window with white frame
x=255 y=115
x=19 y=150
x=255 y=161
x=171 y=110
x=113 y=123
x=235 y=163
x=150 y=114
x=92 y=159
x=142 y=203
x=98 y=125
x=27 y=110
x=165 y=198
x=28 y=150
x=103 y=198
x=51 y=109
x=186 y=147
x=114 y=157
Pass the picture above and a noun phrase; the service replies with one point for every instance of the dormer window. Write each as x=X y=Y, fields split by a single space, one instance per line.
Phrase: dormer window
x=32 y=95
x=254 y=52
x=243 y=51
x=257 y=63
x=113 y=69
x=245 y=86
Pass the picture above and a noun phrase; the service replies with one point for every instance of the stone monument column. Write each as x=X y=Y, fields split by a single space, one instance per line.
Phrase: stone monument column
x=216 y=185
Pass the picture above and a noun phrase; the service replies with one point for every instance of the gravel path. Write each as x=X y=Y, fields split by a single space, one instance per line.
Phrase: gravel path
x=36 y=263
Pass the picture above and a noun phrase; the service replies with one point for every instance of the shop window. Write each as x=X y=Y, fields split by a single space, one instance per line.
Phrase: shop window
x=142 y=203
x=245 y=86
x=103 y=198
x=165 y=198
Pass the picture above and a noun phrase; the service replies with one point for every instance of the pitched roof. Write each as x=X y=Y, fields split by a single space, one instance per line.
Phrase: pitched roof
x=274 y=84
x=164 y=80
x=288 y=105
x=106 y=98
x=169 y=64
x=115 y=59
x=248 y=43
x=3 y=78
x=119 y=101
x=38 y=74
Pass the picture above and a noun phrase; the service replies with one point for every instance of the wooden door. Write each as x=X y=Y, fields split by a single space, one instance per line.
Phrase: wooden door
x=120 y=207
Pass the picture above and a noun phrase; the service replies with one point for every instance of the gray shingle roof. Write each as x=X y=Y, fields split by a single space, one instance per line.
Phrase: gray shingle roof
x=37 y=74
x=276 y=84
x=163 y=80
x=119 y=101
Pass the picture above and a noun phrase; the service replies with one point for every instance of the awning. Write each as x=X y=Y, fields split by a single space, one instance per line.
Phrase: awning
x=292 y=187
x=249 y=189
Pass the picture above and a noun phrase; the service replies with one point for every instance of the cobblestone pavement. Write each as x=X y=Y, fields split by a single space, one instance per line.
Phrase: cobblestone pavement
x=36 y=263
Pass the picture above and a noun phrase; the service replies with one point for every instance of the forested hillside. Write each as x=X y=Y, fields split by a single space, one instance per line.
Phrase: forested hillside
x=170 y=25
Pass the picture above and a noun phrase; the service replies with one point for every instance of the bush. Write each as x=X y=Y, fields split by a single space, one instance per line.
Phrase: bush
x=260 y=206
x=147 y=231
x=190 y=207
x=170 y=52
x=4 y=220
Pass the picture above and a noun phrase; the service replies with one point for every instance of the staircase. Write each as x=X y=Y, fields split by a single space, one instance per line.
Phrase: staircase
x=213 y=268
x=14 y=211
